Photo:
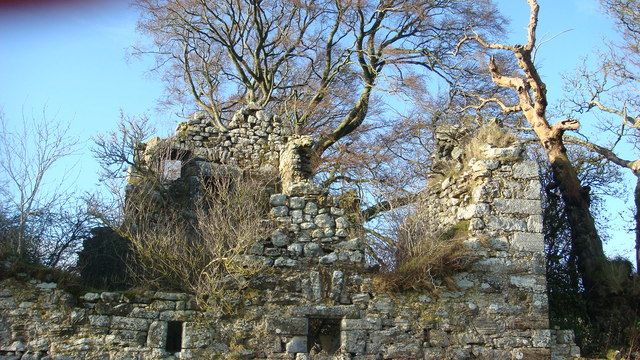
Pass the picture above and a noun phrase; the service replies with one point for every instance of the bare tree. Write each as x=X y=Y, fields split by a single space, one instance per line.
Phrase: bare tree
x=610 y=91
x=627 y=15
x=531 y=101
x=118 y=154
x=315 y=64
x=29 y=154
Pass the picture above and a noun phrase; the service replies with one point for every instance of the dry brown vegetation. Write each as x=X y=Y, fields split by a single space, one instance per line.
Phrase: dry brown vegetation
x=425 y=257
x=200 y=250
x=491 y=134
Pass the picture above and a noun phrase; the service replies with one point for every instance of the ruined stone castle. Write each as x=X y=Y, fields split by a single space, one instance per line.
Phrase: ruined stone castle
x=319 y=301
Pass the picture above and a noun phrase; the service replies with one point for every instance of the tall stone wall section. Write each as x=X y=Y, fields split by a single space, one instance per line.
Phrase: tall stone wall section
x=319 y=300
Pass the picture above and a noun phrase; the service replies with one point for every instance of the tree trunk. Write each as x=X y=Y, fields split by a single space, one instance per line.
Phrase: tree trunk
x=586 y=243
x=637 y=200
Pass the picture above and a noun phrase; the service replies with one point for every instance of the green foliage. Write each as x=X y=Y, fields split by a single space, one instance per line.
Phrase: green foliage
x=615 y=322
x=102 y=261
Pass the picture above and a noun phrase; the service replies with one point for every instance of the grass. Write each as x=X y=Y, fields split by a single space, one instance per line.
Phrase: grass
x=424 y=262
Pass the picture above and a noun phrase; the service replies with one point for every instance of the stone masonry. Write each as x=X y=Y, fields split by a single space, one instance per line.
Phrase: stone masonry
x=318 y=298
x=254 y=139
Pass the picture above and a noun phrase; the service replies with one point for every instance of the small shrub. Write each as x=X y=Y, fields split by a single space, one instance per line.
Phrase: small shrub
x=201 y=249
x=425 y=258
x=490 y=134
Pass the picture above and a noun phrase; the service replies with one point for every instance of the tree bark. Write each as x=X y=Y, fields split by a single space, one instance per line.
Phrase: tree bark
x=586 y=242
x=532 y=102
x=637 y=218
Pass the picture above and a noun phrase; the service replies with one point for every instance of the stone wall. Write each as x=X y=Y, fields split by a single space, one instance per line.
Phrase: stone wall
x=319 y=300
x=253 y=139
x=312 y=229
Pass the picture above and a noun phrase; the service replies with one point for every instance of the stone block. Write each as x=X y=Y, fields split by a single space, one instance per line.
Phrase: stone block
x=508 y=153
x=499 y=244
x=7 y=303
x=525 y=170
x=312 y=250
x=351 y=245
x=535 y=223
x=342 y=223
x=528 y=282
x=288 y=326
x=434 y=353
x=196 y=336
x=297 y=203
x=296 y=249
x=532 y=242
x=328 y=259
x=517 y=206
x=99 y=320
x=337 y=284
x=157 y=335
x=278 y=200
x=178 y=315
x=565 y=337
x=285 y=262
x=144 y=313
x=129 y=337
x=298 y=344
x=279 y=239
x=471 y=211
x=439 y=338
x=91 y=297
x=110 y=296
x=162 y=305
x=368 y=324
x=531 y=354
x=505 y=224
x=127 y=323
x=280 y=211
x=324 y=221
x=354 y=341
x=311 y=208
x=407 y=349
x=541 y=338
x=532 y=190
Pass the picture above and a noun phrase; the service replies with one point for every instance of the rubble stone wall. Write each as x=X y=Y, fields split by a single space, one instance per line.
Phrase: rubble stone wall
x=253 y=139
x=319 y=300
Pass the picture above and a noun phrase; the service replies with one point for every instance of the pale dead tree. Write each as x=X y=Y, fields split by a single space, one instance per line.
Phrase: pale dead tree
x=531 y=93
x=29 y=154
x=116 y=151
x=314 y=64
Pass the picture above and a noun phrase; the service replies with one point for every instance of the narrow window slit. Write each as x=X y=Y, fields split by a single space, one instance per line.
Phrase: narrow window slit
x=174 y=337
x=324 y=336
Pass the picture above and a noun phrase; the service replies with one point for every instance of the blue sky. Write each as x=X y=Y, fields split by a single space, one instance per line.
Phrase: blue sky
x=73 y=60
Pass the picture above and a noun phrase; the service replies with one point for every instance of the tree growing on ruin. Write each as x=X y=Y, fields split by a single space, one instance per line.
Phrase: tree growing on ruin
x=315 y=64
x=531 y=101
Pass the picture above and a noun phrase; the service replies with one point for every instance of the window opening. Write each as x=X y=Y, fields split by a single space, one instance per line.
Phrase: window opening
x=174 y=337
x=324 y=336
